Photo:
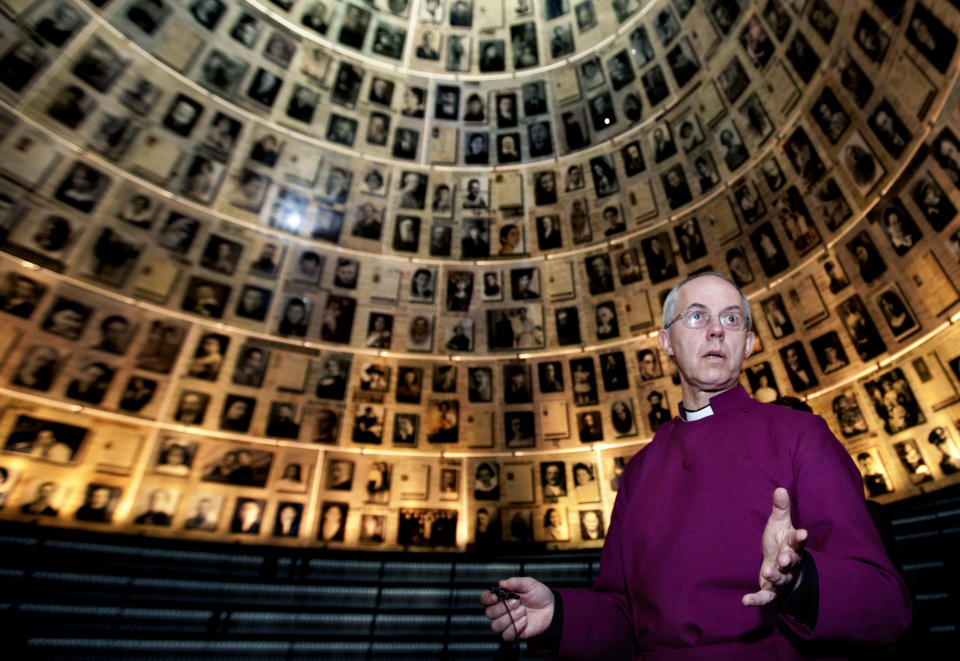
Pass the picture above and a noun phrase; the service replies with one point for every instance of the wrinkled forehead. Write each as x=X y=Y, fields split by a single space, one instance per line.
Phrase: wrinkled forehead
x=710 y=292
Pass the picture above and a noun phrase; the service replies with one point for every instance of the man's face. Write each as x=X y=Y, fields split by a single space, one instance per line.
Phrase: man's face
x=254 y=360
x=67 y=321
x=191 y=404
x=252 y=299
x=866 y=464
x=99 y=498
x=183 y=113
x=115 y=332
x=591 y=522
x=649 y=364
x=552 y=475
x=708 y=358
x=24 y=288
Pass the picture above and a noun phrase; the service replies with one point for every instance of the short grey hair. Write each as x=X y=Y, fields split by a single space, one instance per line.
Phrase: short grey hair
x=670 y=302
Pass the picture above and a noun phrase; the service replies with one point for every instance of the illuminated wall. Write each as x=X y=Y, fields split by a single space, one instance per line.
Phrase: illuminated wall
x=375 y=274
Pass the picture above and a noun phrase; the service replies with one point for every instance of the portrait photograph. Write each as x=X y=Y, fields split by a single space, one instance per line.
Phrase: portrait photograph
x=420 y=333
x=222 y=73
x=622 y=417
x=896 y=312
x=243 y=466
x=846 y=408
x=409 y=384
x=56 y=442
x=175 y=456
x=405 y=427
x=156 y=506
x=475 y=240
x=375 y=377
x=82 y=188
x=460 y=335
x=237 y=413
x=336 y=319
x=861 y=328
x=99 y=503
x=933 y=202
x=829 y=351
x=894 y=401
x=515 y=328
x=762 y=383
x=443 y=421
x=247 y=516
x=333 y=518
x=519 y=429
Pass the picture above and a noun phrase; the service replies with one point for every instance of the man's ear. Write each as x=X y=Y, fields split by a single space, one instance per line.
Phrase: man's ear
x=667 y=346
x=751 y=339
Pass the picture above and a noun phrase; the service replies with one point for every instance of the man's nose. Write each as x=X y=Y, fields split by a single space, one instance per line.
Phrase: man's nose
x=714 y=327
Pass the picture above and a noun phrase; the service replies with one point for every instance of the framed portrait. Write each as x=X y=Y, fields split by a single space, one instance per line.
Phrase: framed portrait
x=896 y=312
x=519 y=430
x=405 y=428
x=515 y=328
x=368 y=422
x=56 y=442
x=443 y=421
x=894 y=401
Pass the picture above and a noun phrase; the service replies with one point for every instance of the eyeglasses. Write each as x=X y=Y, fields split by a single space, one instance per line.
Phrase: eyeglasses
x=732 y=319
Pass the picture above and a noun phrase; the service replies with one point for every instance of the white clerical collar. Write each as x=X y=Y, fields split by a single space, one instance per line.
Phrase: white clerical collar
x=693 y=416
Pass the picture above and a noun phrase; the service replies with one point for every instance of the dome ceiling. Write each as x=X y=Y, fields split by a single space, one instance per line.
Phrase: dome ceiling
x=382 y=264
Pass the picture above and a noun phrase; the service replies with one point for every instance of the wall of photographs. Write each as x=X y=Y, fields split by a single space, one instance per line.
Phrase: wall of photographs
x=388 y=274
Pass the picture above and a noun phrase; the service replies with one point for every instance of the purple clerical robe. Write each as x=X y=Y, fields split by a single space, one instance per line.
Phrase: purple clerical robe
x=684 y=544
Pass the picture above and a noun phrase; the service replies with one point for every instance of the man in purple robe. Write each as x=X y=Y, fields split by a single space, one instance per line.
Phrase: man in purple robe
x=692 y=524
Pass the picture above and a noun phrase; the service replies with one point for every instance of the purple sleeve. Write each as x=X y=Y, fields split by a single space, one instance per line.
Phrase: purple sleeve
x=597 y=623
x=861 y=598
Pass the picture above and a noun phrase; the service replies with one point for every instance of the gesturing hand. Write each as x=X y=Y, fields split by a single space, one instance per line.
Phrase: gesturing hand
x=532 y=612
x=782 y=544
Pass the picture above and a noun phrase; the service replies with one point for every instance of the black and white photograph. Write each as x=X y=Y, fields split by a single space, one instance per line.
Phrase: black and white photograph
x=803 y=157
x=590 y=426
x=894 y=402
x=519 y=431
x=731 y=145
x=56 y=442
x=683 y=62
x=899 y=226
x=659 y=257
x=523 y=44
x=889 y=129
x=443 y=421
x=867 y=258
x=757 y=43
x=222 y=73
x=584 y=381
x=862 y=163
x=769 y=250
x=861 y=328
x=221 y=135
x=802 y=56
x=763 y=385
x=99 y=65
x=934 y=203
x=896 y=312
x=829 y=351
x=798 y=368
x=931 y=38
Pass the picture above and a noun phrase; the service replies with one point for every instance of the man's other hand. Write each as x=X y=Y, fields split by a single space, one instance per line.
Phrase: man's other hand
x=782 y=545
x=532 y=611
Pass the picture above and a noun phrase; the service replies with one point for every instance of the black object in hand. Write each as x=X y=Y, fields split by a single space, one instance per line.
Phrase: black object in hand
x=503 y=594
